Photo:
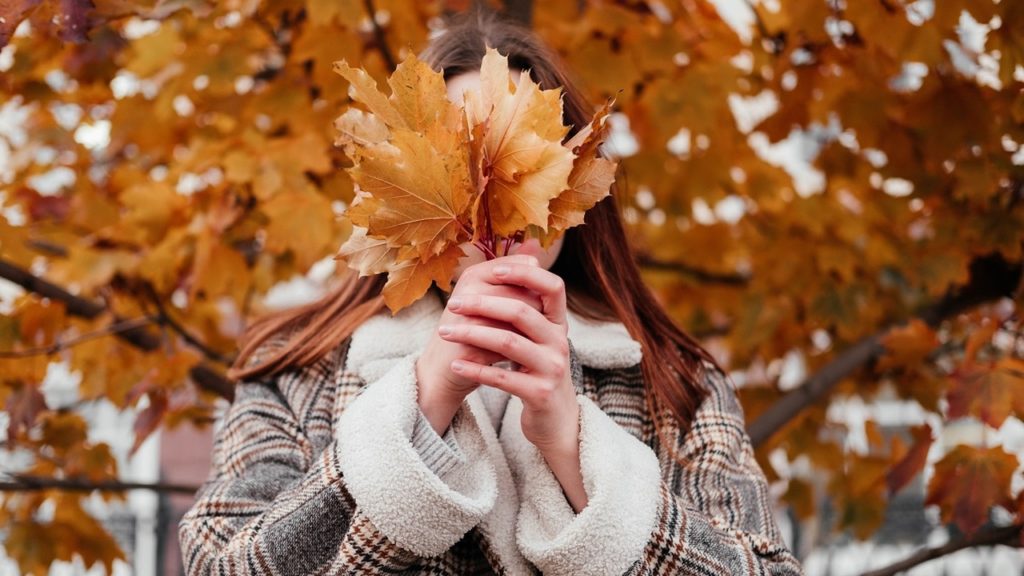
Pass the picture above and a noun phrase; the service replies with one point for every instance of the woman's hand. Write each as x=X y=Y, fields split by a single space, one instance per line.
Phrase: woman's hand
x=539 y=345
x=441 y=390
x=536 y=339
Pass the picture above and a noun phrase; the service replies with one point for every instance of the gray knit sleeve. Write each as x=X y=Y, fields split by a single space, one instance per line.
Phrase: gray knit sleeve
x=440 y=454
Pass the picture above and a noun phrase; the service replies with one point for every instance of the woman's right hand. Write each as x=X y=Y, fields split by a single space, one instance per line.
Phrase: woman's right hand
x=441 y=391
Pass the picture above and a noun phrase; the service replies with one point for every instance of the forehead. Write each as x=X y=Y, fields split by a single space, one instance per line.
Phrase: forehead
x=458 y=84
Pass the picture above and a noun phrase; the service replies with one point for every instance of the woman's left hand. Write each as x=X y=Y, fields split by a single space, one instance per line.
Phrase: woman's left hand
x=543 y=382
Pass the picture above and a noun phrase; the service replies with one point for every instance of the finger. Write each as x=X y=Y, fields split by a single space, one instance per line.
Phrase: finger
x=474 y=354
x=484 y=268
x=516 y=292
x=528 y=297
x=515 y=383
x=520 y=315
x=513 y=346
x=456 y=317
x=548 y=285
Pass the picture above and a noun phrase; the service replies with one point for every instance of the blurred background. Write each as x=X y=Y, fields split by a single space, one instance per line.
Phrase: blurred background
x=828 y=194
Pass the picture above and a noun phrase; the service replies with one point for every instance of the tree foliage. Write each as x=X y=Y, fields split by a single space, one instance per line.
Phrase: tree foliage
x=172 y=161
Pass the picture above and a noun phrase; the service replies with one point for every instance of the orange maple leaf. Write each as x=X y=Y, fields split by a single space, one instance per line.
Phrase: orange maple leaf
x=968 y=482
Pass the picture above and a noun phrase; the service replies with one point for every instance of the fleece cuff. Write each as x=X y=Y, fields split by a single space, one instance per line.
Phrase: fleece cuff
x=388 y=478
x=622 y=479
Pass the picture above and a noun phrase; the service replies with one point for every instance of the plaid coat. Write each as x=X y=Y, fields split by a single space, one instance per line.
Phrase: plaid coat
x=329 y=469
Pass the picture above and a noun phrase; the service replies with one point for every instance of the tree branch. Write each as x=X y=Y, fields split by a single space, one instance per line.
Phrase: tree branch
x=1005 y=535
x=991 y=278
x=203 y=375
x=378 y=37
x=25 y=483
x=698 y=274
x=520 y=10
x=75 y=306
x=164 y=317
x=57 y=346
x=777 y=41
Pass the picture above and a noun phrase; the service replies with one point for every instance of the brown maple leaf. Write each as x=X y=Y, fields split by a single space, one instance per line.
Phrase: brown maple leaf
x=968 y=481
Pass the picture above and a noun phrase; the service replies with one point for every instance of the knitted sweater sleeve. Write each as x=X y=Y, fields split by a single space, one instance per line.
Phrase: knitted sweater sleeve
x=373 y=501
x=651 y=517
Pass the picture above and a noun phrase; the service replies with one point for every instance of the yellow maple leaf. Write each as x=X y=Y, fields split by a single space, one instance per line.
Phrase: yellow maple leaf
x=591 y=176
x=418 y=195
x=521 y=153
x=369 y=255
x=410 y=278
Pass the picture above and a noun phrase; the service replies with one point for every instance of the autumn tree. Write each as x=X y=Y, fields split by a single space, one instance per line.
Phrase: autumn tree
x=164 y=164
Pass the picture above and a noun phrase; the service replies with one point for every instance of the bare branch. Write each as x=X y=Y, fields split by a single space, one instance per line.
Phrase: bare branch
x=889 y=7
x=1009 y=535
x=26 y=483
x=698 y=274
x=991 y=278
x=520 y=10
x=777 y=41
x=164 y=317
x=47 y=247
x=114 y=328
x=75 y=306
x=205 y=376
x=378 y=36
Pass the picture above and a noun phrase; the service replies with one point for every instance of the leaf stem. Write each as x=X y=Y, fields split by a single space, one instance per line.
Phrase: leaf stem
x=487 y=251
x=488 y=236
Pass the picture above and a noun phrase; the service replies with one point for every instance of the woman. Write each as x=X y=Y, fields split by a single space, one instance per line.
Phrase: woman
x=361 y=442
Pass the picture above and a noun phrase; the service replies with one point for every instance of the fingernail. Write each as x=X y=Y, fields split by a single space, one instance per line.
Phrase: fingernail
x=445 y=330
x=455 y=303
x=458 y=366
x=501 y=270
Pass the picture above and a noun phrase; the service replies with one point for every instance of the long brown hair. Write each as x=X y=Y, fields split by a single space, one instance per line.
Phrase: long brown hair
x=596 y=261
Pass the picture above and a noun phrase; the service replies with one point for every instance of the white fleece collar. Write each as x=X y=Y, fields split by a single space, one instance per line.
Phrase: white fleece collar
x=383 y=338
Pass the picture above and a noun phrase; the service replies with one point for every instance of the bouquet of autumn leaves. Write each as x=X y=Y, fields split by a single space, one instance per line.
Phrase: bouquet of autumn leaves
x=430 y=175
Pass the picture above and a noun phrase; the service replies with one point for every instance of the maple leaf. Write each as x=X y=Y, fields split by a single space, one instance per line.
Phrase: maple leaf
x=63 y=430
x=910 y=461
x=73 y=16
x=359 y=130
x=860 y=495
x=419 y=194
x=590 y=180
x=367 y=254
x=410 y=277
x=991 y=392
x=968 y=482
x=301 y=222
x=22 y=408
x=907 y=345
x=147 y=421
x=429 y=175
x=520 y=151
x=12 y=12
